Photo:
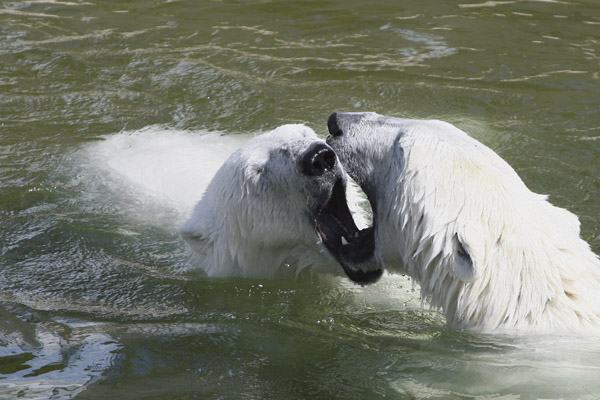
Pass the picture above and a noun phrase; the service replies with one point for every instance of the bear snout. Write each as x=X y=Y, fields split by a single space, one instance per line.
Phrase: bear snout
x=318 y=159
x=332 y=125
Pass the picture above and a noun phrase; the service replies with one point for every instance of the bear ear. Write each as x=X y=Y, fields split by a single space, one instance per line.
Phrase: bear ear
x=463 y=264
x=190 y=236
x=196 y=240
x=194 y=231
x=399 y=151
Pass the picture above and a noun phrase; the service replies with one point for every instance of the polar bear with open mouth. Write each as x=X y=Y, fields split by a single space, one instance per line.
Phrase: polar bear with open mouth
x=278 y=205
x=457 y=218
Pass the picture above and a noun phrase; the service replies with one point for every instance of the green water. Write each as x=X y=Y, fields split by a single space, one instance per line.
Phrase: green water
x=97 y=305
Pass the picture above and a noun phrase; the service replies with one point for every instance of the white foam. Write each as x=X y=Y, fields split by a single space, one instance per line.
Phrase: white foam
x=172 y=166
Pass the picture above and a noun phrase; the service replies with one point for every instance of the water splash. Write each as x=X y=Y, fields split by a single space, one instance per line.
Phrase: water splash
x=157 y=164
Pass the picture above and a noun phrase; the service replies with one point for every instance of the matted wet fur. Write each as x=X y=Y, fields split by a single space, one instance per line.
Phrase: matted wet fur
x=278 y=206
x=458 y=219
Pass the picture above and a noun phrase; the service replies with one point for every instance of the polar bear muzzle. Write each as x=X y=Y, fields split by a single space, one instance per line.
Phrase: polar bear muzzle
x=351 y=247
x=318 y=159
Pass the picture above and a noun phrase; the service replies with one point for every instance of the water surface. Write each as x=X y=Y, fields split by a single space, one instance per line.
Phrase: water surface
x=96 y=296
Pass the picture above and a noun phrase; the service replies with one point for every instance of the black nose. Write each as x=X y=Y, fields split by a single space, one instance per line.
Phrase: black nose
x=332 y=125
x=318 y=159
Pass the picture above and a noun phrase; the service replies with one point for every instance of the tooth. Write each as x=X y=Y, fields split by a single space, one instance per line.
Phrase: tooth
x=344 y=241
x=355 y=234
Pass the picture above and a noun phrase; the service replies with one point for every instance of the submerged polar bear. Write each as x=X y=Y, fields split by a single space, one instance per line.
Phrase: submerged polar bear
x=274 y=206
x=458 y=219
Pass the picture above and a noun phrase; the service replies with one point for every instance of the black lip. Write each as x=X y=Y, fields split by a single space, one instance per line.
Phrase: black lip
x=350 y=246
x=363 y=277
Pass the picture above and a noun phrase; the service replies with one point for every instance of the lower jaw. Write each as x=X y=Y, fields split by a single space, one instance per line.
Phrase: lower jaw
x=363 y=277
x=363 y=272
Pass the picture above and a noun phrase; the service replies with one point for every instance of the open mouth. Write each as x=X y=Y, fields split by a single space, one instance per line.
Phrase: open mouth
x=350 y=246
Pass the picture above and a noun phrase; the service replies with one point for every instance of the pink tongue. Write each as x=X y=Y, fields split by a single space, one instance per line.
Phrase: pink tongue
x=323 y=235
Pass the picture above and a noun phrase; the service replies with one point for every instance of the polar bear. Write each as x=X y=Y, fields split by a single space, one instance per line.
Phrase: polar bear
x=277 y=206
x=453 y=215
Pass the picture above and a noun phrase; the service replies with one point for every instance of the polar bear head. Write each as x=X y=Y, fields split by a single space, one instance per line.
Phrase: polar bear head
x=278 y=204
x=409 y=170
x=458 y=219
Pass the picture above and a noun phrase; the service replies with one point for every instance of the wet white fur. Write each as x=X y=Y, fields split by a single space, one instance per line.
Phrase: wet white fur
x=256 y=217
x=437 y=189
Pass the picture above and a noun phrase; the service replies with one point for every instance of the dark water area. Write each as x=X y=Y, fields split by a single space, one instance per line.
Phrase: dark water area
x=96 y=297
